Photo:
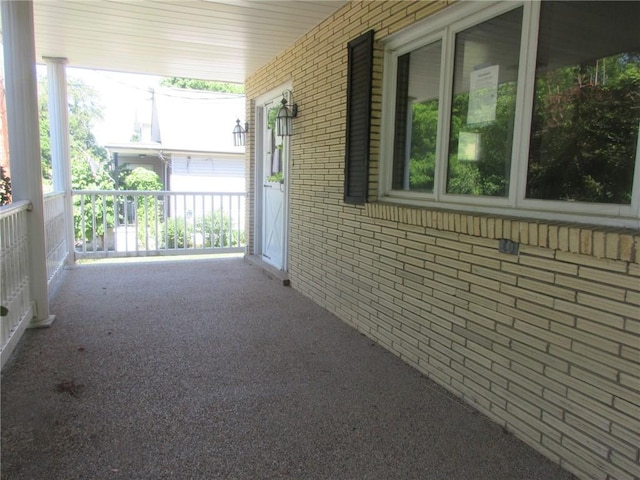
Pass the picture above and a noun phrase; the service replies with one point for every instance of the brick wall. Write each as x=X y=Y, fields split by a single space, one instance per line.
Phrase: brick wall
x=545 y=341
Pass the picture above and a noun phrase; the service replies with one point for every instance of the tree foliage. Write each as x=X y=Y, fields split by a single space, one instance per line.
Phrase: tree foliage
x=84 y=111
x=90 y=166
x=423 y=146
x=148 y=211
x=45 y=131
x=90 y=208
x=488 y=173
x=194 y=84
x=583 y=141
x=5 y=187
x=141 y=178
x=585 y=132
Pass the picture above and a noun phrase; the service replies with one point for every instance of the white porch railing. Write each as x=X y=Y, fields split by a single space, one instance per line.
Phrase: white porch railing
x=138 y=223
x=14 y=276
x=110 y=223
x=55 y=235
x=15 y=294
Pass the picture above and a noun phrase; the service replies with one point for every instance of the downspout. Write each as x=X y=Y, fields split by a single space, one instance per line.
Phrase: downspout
x=116 y=170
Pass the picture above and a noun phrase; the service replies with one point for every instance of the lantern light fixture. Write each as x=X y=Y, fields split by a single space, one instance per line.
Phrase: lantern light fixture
x=287 y=112
x=240 y=134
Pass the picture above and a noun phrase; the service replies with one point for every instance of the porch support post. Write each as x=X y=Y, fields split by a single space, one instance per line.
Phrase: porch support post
x=60 y=151
x=24 y=142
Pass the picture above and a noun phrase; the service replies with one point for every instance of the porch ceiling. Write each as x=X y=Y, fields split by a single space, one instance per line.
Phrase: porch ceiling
x=224 y=40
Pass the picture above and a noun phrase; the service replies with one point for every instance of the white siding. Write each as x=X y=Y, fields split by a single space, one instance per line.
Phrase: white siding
x=207 y=174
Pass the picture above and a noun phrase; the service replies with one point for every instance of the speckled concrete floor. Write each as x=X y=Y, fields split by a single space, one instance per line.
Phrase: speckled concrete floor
x=207 y=369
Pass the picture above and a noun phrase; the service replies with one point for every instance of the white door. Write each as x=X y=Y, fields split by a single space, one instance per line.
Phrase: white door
x=274 y=195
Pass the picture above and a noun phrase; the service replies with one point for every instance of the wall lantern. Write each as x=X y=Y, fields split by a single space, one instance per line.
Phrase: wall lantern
x=286 y=114
x=240 y=134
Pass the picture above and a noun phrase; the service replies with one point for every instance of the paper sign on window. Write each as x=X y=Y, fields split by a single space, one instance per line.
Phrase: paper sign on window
x=469 y=146
x=483 y=95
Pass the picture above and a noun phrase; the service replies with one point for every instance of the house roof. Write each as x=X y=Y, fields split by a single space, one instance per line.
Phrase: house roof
x=223 y=40
x=196 y=120
x=156 y=149
x=179 y=120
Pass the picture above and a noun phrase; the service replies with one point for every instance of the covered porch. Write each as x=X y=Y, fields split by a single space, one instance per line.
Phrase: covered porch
x=219 y=40
x=523 y=309
x=207 y=368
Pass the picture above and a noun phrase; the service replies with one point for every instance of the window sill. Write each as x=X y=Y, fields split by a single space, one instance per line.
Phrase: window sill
x=593 y=240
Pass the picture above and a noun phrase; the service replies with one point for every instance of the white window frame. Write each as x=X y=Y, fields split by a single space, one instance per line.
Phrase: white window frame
x=444 y=26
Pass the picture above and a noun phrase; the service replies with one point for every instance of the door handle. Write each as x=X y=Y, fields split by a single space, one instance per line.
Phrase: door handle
x=267 y=186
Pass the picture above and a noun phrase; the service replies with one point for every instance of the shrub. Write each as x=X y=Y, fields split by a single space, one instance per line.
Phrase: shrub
x=176 y=235
x=148 y=210
x=211 y=231
x=216 y=231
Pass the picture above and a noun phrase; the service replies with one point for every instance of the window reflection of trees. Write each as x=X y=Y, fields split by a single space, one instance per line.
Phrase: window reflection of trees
x=275 y=147
x=584 y=131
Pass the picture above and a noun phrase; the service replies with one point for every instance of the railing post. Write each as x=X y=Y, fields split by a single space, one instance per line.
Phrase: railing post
x=24 y=142
x=60 y=151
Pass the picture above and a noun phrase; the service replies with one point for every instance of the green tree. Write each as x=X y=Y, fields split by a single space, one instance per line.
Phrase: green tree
x=488 y=174
x=194 y=84
x=148 y=209
x=585 y=131
x=5 y=187
x=91 y=213
x=84 y=111
x=142 y=179
x=423 y=145
x=90 y=166
x=45 y=133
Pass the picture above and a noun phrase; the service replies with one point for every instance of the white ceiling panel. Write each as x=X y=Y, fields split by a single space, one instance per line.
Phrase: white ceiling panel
x=224 y=40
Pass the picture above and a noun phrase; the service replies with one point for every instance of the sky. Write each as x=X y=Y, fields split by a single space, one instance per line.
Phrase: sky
x=125 y=98
x=189 y=119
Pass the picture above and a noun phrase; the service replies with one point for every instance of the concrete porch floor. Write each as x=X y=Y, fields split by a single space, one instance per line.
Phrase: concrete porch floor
x=209 y=369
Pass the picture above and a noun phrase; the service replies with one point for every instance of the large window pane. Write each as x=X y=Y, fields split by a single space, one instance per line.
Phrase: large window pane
x=483 y=106
x=416 y=127
x=587 y=102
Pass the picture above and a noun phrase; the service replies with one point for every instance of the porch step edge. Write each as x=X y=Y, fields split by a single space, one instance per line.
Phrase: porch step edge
x=269 y=270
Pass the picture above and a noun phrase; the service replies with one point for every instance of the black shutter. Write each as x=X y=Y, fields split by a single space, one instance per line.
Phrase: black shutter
x=359 y=75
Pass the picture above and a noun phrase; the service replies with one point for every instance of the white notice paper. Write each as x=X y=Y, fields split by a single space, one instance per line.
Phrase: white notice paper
x=483 y=95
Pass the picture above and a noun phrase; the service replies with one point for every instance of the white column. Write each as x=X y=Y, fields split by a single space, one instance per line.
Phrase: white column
x=24 y=141
x=60 y=151
x=58 y=122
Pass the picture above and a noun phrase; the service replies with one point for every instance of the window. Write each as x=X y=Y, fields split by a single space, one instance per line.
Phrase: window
x=483 y=106
x=415 y=139
x=584 y=129
x=512 y=107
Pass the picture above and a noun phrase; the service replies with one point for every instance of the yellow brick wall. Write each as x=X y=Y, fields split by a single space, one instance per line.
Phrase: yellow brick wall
x=546 y=342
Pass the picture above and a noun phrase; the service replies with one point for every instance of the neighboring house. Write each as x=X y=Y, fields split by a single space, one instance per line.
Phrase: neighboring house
x=187 y=141
x=146 y=155
x=518 y=293
x=184 y=170
x=215 y=172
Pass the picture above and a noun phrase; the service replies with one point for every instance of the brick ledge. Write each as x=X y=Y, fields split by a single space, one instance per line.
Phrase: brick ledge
x=599 y=242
